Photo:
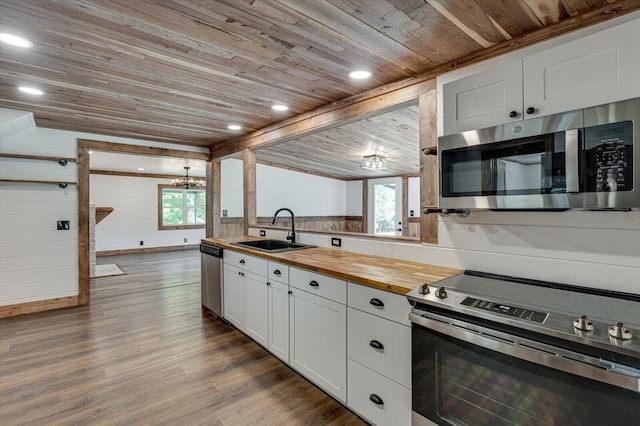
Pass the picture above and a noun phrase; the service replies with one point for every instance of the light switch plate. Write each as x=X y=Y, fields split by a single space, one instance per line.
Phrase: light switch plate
x=336 y=242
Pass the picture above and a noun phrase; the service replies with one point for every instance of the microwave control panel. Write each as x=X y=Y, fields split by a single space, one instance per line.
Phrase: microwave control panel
x=609 y=157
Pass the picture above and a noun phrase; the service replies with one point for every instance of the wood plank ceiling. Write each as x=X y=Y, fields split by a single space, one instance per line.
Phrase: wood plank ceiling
x=181 y=71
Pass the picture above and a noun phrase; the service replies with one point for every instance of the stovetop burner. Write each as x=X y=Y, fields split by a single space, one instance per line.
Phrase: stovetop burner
x=609 y=320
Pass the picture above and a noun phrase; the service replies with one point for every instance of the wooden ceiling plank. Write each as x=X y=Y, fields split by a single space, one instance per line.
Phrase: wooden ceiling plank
x=548 y=11
x=514 y=16
x=472 y=20
x=576 y=7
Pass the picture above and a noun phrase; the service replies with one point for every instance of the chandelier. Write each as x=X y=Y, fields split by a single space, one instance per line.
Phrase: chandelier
x=187 y=181
x=374 y=162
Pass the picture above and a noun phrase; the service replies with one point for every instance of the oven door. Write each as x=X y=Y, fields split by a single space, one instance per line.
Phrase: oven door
x=456 y=382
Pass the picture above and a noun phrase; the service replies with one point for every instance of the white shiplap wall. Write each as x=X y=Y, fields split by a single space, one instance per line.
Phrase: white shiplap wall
x=36 y=260
x=134 y=219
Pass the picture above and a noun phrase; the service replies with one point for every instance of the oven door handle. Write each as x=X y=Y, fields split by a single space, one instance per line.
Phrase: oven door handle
x=530 y=350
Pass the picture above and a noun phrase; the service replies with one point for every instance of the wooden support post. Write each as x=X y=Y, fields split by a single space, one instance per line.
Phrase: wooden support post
x=249 y=179
x=428 y=167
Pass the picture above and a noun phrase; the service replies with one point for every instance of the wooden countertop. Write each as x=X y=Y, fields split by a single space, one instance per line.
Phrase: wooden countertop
x=396 y=276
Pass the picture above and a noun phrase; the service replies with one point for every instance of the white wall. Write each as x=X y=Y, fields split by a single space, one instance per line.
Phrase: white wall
x=37 y=262
x=414 y=196
x=231 y=187
x=135 y=214
x=354 y=198
x=305 y=194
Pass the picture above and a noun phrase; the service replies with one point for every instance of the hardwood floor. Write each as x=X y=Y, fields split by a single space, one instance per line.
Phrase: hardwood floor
x=143 y=353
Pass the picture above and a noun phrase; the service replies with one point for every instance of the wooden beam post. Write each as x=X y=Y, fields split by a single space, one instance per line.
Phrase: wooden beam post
x=208 y=233
x=249 y=179
x=405 y=206
x=428 y=167
x=216 y=198
x=82 y=173
x=365 y=206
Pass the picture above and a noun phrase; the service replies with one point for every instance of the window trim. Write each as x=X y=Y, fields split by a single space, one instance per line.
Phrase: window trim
x=162 y=227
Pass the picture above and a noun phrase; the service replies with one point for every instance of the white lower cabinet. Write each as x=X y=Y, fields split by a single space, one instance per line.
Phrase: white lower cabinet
x=279 y=320
x=233 y=296
x=378 y=399
x=318 y=341
x=256 y=313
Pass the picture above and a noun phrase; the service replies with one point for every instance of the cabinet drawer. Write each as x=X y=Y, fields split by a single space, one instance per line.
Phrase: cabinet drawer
x=278 y=272
x=248 y=263
x=380 y=344
x=365 y=385
x=322 y=285
x=378 y=302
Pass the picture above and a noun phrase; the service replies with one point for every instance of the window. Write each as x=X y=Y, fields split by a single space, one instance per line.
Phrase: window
x=180 y=208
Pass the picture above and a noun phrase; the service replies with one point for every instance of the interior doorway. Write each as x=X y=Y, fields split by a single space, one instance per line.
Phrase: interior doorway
x=385 y=206
x=83 y=177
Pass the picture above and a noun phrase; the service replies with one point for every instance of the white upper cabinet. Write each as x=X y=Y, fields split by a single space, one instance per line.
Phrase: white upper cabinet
x=483 y=99
x=593 y=70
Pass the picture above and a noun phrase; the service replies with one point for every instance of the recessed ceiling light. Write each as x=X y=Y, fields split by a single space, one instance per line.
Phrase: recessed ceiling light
x=141 y=169
x=234 y=127
x=31 y=90
x=359 y=74
x=279 y=107
x=15 y=40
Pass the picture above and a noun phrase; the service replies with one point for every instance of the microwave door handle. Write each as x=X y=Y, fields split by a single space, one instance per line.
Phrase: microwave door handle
x=572 y=145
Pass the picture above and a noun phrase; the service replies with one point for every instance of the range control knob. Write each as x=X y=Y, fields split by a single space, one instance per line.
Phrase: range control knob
x=424 y=289
x=583 y=323
x=441 y=293
x=620 y=332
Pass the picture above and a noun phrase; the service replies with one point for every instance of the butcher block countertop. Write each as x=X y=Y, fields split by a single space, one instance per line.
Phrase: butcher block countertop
x=396 y=276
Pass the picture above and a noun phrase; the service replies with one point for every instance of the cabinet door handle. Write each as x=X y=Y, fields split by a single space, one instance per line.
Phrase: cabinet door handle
x=314 y=283
x=277 y=272
x=242 y=261
x=241 y=274
x=268 y=283
x=376 y=302
x=376 y=345
x=513 y=114
x=290 y=292
x=376 y=399
x=531 y=110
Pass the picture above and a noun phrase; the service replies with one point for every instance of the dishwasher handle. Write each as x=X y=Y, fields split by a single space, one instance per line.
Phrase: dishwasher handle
x=211 y=250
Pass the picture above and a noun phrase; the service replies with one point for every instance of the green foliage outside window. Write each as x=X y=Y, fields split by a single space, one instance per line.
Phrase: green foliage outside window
x=183 y=207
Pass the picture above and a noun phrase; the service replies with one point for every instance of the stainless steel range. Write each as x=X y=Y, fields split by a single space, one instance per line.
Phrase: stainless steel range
x=491 y=350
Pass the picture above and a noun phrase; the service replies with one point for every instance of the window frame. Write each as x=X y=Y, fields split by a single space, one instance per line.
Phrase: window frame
x=161 y=226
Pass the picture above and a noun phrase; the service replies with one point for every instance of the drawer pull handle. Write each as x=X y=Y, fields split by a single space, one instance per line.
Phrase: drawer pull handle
x=241 y=274
x=277 y=272
x=376 y=399
x=376 y=345
x=242 y=261
x=376 y=302
x=314 y=283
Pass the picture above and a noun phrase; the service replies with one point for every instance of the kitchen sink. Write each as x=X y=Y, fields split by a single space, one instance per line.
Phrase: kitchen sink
x=273 y=246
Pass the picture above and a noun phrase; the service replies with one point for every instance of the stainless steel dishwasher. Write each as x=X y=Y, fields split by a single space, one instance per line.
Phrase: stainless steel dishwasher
x=211 y=278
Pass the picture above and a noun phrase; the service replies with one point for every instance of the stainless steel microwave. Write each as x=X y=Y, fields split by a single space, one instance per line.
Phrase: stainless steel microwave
x=587 y=158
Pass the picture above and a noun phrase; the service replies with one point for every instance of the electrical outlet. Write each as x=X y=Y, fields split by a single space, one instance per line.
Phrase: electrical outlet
x=225 y=213
x=411 y=213
x=141 y=243
x=336 y=242
x=263 y=233
x=64 y=225
x=185 y=240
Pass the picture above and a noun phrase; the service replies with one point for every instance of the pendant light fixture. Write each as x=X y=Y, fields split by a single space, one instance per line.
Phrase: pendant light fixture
x=187 y=182
x=374 y=162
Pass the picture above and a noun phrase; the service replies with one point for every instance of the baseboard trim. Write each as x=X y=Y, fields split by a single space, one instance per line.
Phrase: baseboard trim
x=146 y=250
x=38 y=306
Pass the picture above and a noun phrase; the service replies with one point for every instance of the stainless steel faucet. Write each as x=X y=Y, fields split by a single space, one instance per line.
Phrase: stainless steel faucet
x=291 y=237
